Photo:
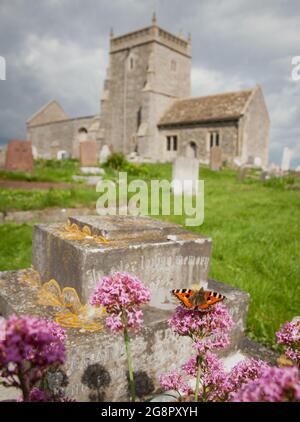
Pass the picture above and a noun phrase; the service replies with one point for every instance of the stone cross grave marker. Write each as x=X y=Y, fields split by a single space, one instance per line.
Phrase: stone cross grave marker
x=215 y=158
x=19 y=156
x=88 y=154
x=185 y=175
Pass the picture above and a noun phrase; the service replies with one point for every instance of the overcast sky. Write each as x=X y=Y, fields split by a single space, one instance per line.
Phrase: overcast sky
x=58 y=49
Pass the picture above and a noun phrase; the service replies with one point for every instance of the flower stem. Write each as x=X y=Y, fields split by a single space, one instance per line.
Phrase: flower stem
x=129 y=358
x=198 y=378
x=24 y=385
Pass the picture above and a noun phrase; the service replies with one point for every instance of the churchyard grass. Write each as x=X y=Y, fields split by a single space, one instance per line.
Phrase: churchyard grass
x=21 y=199
x=46 y=171
x=255 y=230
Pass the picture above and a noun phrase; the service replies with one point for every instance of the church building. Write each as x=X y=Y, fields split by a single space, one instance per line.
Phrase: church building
x=146 y=109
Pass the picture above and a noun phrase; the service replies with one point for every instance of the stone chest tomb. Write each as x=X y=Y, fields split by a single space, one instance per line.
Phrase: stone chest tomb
x=162 y=255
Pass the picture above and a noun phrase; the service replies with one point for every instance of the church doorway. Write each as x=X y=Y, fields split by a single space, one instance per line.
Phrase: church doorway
x=191 y=150
x=83 y=134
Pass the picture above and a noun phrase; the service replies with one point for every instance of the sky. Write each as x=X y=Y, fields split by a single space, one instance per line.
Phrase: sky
x=58 y=49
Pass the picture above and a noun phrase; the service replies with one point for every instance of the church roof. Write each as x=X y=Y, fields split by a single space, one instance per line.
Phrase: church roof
x=212 y=108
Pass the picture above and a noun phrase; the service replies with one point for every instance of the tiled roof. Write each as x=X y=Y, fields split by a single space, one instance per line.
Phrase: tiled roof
x=212 y=108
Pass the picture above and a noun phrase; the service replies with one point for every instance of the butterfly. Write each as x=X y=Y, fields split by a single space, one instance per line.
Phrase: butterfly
x=198 y=299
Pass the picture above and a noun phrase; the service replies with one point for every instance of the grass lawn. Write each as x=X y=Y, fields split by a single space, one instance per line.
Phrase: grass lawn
x=255 y=230
x=46 y=171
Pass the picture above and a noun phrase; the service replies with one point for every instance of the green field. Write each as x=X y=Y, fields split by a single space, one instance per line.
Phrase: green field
x=255 y=229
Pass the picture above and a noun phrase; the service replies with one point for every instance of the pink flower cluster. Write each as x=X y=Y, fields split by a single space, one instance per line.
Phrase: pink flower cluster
x=289 y=336
x=208 y=330
x=175 y=381
x=122 y=295
x=273 y=385
x=245 y=371
x=29 y=346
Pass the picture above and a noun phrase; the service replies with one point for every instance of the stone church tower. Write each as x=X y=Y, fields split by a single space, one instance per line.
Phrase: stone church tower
x=148 y=69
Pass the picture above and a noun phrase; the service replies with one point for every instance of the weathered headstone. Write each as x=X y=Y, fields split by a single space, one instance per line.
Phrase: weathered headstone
x=104 y=154
x=215 y=158
x=139 y=245
x=19 y=156
x=185 y=175
x=286 y=159
x=242 y=173
x=88 y=154
x=2 y=158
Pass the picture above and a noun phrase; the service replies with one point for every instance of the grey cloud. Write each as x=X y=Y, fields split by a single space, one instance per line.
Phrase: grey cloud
x=236 y=43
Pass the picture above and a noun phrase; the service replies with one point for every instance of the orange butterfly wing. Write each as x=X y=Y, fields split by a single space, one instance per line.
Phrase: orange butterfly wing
x=184 y=297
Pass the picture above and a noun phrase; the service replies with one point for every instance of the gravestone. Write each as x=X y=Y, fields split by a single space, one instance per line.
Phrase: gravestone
x=104 y=154
x=19 y=156
x=159 y=253
x=242 y=173
x=2 y=158
x=88 y=154
x=215 y=158
x=286 y=159
x=185 y=176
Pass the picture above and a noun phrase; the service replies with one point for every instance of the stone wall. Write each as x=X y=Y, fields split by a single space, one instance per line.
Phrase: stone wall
x=200 y=135
x=49 y=138
x=51 y=112
x=255 y=128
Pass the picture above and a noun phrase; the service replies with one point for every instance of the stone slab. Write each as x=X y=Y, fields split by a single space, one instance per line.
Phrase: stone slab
x=137 y=245
x=19 y=156
x=155 y=349
x=88 y=154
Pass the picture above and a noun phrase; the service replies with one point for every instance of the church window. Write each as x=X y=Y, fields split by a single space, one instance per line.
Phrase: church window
x=131 y=63
x=139 y=117
x=168 y=143
x=175 y=143
x=172 y=143
x=214 y=139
